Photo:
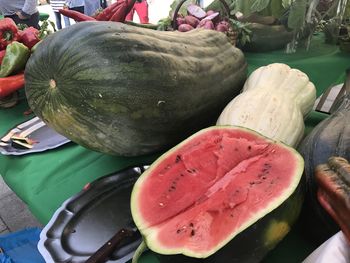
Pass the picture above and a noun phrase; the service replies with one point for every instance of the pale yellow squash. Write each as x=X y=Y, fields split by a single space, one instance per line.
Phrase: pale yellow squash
x=274 y=102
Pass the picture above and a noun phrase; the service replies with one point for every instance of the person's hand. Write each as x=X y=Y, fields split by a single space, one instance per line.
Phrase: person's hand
x=65 y=6
x=333 y=193
x=20 y=16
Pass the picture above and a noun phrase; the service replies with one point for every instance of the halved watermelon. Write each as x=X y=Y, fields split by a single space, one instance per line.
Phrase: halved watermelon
x=197 y=197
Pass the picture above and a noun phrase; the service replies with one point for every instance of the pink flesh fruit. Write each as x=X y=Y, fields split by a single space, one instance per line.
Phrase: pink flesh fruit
x=209 y=186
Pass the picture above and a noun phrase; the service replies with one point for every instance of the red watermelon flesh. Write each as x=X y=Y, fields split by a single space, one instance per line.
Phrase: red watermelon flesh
x=199 y=195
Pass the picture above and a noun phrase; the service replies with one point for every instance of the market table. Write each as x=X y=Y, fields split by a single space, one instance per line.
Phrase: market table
x=44 y=180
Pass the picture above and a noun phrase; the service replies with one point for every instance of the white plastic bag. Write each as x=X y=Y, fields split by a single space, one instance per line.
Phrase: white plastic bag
x=335 y=250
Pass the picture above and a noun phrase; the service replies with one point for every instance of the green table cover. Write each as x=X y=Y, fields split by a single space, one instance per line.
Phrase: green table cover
x=44 y=180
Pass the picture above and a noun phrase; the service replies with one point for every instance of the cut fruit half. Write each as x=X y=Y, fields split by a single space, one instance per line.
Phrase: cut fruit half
x=201 y=194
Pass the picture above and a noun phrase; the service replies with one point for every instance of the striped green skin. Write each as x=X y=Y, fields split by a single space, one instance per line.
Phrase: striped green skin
x=130 y=91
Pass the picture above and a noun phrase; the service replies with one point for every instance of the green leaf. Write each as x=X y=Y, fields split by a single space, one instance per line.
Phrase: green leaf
x=297 y=14
x=244 y=6
x=286 y=3
x=259 y=5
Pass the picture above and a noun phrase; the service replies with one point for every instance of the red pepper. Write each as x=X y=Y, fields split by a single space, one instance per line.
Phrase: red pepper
x=120 y=14
x=108 y=12
x=77 y=16
x=2 y=55
x=8 y=32
x=29 y=36
x=130 y=5
x=10 y=84
x=116 y=12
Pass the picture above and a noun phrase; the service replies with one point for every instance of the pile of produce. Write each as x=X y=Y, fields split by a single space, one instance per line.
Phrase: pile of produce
x=225 y=194
x=126 y=90
x=15 y=48
x=198 y=18
x=116 y=12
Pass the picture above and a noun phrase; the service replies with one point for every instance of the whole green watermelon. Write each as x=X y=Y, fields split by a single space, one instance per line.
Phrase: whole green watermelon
x=129 y=91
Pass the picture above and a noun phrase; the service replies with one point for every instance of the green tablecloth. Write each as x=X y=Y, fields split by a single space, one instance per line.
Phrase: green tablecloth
x=45 y=180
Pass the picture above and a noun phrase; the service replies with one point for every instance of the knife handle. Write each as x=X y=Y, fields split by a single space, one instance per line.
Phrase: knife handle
x=104 y=252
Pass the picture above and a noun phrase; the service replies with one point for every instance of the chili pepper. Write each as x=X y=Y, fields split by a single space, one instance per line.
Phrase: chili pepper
x=121 y=11
x=2 y=55
x=131 y=4
x=107 y=13
x=120 y=14
x=10 y=84
x=29 y=36
x=77 y=16
x=8 y=32
x=15 y=59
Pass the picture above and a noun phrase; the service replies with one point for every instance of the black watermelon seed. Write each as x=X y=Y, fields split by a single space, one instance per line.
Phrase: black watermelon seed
x=178 y=158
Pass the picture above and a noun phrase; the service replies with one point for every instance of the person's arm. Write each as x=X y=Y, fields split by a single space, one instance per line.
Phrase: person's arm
x=28 y=9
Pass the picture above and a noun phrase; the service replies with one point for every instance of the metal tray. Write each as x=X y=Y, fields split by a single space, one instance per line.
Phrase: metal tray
x=36 y=130
x=88 y=220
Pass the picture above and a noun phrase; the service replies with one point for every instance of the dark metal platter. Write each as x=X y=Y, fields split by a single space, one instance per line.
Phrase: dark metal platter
x=88 y=220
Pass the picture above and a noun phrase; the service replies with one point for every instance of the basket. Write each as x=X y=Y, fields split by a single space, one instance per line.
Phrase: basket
x=232 y=33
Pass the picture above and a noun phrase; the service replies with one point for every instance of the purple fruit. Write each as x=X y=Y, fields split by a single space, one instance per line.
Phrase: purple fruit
x=185 y=28
x=210 y=12
x=180 y=21
x=207 y=24
x=191 y=20
x=222 y=28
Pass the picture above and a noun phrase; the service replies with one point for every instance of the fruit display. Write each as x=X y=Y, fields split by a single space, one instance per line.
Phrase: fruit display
x=331 y=137
x=234 y=164
x=129 y=91
x=274 y=102
x=225 y=193
x=198 y=18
